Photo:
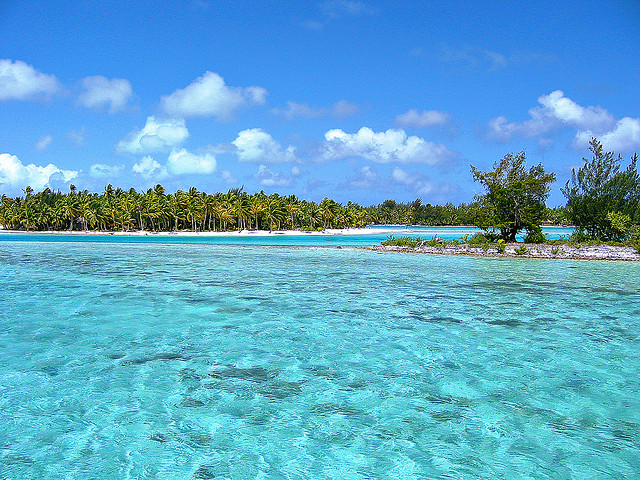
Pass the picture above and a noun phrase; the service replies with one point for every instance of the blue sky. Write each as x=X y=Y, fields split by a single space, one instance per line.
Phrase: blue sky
x=360 y=101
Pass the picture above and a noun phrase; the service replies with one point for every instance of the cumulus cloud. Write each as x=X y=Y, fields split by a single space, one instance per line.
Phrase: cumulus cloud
x=382 y=147
x=14 y=173
x=555 y=111
x=426 y=118
x=624 y=137
x=256 y=145
x=556 y=105
x=182 y=162
x=148 y=168
x=19 y=81
x=43 y=142
x=101 y=170
x=154 y=137
x=209 y=96
x=294 y=110
x=267 y=178
x=418 y=183
x=100 y=92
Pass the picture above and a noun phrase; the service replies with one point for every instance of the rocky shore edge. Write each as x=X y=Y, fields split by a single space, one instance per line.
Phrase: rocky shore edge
x=525 y=250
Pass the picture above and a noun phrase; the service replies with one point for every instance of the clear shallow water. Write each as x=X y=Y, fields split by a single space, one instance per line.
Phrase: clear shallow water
x=200 y=361
x=446 y=233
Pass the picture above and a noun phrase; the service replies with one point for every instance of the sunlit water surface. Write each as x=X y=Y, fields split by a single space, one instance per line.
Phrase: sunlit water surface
x=156 y=361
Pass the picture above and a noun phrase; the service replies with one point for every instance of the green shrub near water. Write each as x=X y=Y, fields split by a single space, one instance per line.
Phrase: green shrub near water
x=535 y=235
x=392 y=241
x=413 y=242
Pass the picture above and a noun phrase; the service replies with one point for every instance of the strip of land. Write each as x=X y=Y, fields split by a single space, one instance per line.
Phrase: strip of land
x=234 y=233
x=522 y=250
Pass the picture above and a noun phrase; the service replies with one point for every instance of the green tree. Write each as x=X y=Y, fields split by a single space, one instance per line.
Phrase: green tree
x=514 y=199
x=603 y=201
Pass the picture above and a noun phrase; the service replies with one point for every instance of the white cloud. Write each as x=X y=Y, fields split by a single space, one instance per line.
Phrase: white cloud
x=43 y=142
x=19 y=81
x=182 y=162
x=295 y=171
x=256 y=145
x=209 y=96
x=624 y=137
x=555 y=111
x=418 y=183
x=339 y=109
x=149 y=168
x=382 y=147
x=155 y=136
x=568 y=112
x=426 y=118
x=15 y=174
x=100 y=170
x=100 y=92
x=267 y=178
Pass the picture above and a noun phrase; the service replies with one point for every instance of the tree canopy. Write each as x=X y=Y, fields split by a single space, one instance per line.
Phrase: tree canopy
x=157 y=210
x=514 y=199
x=603 y=202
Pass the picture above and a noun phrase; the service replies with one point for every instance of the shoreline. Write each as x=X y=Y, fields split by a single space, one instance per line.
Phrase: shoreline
x=559 y=252
x=190 y=233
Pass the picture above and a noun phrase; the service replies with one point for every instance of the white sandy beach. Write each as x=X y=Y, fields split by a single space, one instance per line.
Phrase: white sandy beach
x=236 y=233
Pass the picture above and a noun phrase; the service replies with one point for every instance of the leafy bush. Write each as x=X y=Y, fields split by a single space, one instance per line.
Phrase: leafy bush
x=635 y=237
x=480 y=238
x=413 y=242
x=435 y=242
x=619 y=225
x=402 y=241
x=522 y=250
x=501 y=246
x=535 y=235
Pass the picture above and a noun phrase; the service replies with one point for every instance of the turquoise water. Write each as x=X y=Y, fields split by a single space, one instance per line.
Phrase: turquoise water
x=446 y=233
x=157 y=361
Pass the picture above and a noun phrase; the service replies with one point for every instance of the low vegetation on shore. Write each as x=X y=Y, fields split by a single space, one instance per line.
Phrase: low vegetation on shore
x=482 y=244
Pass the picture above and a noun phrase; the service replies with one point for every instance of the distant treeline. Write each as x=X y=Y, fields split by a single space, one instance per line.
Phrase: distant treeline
x=155 y=210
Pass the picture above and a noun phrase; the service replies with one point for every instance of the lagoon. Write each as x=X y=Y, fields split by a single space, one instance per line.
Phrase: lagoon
x=374 y=237
x=191 y=361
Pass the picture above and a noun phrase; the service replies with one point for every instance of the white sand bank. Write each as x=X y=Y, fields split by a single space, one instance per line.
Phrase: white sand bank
x=237 y=233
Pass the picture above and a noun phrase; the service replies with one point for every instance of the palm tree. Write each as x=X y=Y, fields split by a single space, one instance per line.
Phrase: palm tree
x=256 y=207
x=328 y=211
x=274 y=211
x=293 y=209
